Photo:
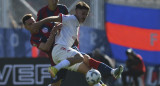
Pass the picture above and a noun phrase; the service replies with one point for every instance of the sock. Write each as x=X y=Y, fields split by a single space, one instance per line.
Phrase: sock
x=49 y=85
x=112 y=71
x=104 y=69
x=62 y=64
x=98 y=84
x=101 y=82
x=94 y=63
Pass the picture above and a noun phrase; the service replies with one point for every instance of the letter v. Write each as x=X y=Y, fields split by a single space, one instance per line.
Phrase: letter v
x=4 y=74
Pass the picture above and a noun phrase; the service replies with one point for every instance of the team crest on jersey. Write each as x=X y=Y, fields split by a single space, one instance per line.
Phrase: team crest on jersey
x=45 y=30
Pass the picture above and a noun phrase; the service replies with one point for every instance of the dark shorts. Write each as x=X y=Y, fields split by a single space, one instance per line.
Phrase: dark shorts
x=60 y=75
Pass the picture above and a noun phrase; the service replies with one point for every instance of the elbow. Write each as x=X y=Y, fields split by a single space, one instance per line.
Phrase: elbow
x=46 y=50
x=44 y=47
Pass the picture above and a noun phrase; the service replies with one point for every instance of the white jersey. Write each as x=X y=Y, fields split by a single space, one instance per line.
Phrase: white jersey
x=69 y=31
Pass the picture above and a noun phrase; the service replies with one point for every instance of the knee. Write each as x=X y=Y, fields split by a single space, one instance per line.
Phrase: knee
x=86 y=59
x=86 y=56
x=79 y=57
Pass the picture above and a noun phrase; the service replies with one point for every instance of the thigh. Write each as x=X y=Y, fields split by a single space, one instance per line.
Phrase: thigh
x=74 y=67
x=60 y=53
x=83 y=68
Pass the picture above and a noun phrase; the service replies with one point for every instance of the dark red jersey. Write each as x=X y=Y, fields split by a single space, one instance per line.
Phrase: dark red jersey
x=44 y=33
x=140 y=65
x=46 y=12
x=42 y=36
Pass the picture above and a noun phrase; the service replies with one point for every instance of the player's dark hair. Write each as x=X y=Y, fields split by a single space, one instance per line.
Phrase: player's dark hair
x=82 y=5
x=130 y=52
x=26 y=17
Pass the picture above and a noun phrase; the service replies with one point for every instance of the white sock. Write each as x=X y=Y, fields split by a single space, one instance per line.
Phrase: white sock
x=98 y=84
x=62 y=64
x=49 y=85
x=112 y=71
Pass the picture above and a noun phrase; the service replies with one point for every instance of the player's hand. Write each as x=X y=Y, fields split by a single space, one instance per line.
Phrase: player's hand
x=56 y=28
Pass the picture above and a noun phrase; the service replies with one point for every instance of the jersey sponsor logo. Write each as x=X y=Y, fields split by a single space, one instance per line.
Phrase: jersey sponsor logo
x=45 y=30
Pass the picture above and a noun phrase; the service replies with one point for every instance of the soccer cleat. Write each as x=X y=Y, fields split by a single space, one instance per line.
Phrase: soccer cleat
x=103 y=84
x=118 y=71
x=53 y=71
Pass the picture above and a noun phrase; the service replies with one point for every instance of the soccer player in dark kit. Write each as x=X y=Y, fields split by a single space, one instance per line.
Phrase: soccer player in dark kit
x=52 y=9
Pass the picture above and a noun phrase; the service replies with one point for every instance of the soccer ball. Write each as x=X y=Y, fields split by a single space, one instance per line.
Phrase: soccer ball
x=93 y=76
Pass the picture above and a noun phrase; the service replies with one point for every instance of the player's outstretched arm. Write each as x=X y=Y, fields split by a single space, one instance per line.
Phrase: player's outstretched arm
x=38 y=24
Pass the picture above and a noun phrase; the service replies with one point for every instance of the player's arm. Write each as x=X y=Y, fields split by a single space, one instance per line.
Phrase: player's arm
x=47 y=45
x=76 y=43
x=38 y=24
x=51 y=19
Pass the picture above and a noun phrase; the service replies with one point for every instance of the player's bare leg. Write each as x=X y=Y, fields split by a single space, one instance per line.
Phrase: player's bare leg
x=83 y=68
x=65 y=63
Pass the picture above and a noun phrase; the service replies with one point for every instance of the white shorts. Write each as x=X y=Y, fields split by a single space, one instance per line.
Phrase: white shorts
x=60 y=52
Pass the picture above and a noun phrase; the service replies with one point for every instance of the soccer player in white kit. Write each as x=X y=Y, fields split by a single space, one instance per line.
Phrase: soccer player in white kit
x=62 y=53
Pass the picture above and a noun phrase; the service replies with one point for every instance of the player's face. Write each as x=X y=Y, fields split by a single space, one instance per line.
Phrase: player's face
x=130 y=56
x=28 y=24
x=81 y=14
